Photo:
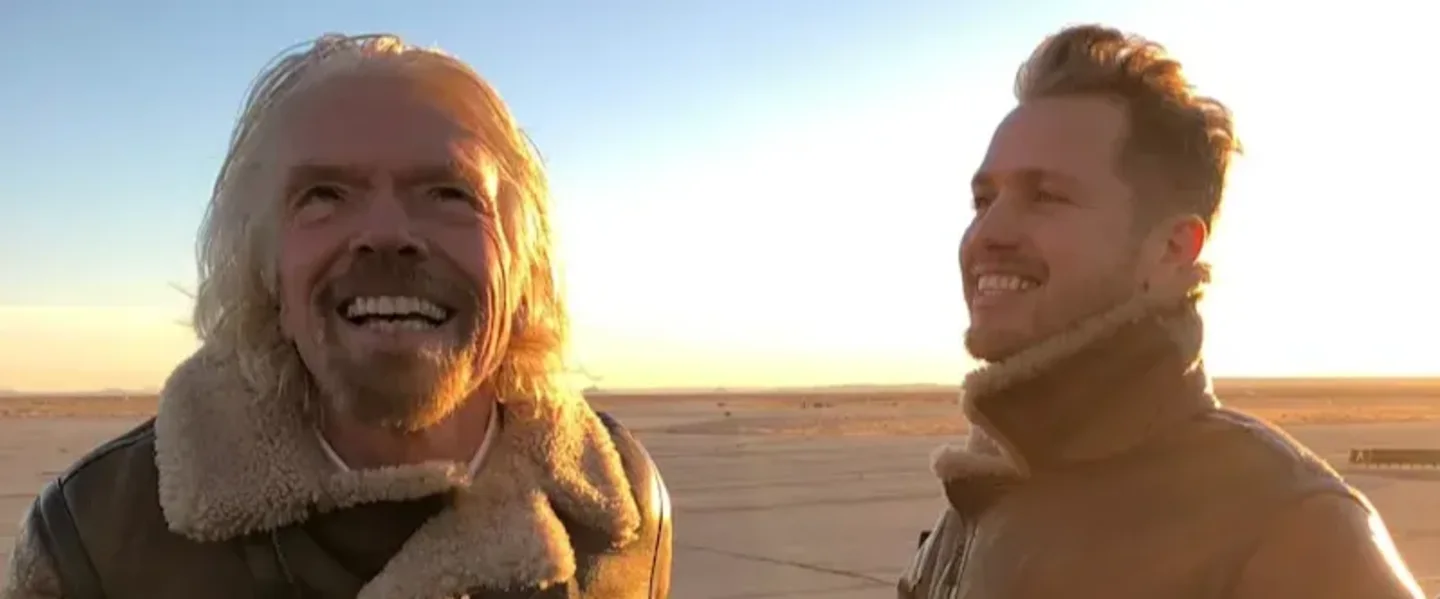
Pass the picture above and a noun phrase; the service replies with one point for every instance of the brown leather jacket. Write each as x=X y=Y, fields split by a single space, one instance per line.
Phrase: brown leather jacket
x=1099 y=465
x=223 y=495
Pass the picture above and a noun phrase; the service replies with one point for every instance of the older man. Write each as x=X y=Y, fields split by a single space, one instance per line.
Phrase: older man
x=1099 y=464
x=375 y=409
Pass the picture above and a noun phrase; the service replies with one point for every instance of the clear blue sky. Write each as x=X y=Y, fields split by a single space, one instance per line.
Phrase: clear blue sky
x=750 y=191
x=115 y=114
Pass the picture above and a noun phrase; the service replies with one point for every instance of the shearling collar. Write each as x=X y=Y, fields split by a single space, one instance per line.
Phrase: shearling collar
x=1100 y=388
x=233 y=461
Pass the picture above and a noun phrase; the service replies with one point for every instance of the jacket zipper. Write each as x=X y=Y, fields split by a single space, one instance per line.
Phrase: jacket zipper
x=949 y=587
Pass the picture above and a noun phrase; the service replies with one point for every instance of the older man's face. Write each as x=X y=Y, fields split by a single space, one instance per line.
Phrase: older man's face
x=388 y=258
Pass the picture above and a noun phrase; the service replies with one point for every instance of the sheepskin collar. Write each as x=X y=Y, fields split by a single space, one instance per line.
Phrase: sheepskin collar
x=1103 y=386
x=233 y=461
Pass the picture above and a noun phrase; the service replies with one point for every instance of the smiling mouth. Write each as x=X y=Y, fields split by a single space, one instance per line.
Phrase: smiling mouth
x=394 y=313
x=1000 y=284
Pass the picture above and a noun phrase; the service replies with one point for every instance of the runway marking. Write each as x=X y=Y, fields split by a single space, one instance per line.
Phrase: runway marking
x=763 y=507
x=785 y=562
x=795 y=594
x=813 y=481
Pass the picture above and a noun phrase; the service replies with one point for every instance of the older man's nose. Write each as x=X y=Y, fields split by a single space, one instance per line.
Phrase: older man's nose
x=387 y=227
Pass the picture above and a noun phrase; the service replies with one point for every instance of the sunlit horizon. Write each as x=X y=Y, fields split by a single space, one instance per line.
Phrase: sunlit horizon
x=783 y=214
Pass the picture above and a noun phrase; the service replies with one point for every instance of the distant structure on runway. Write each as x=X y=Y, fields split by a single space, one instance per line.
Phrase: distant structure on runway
x=592 y=380
x=1390 y=457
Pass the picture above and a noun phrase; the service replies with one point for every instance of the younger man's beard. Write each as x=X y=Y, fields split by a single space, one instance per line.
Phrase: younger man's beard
x=1088 y=301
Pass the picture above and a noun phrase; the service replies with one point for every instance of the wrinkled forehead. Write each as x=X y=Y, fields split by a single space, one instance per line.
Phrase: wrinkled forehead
x=1069 y=137
x=378 y=119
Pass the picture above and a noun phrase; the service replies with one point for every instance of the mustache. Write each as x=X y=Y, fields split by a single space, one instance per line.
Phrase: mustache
x=387 y=273
x=1001 y=259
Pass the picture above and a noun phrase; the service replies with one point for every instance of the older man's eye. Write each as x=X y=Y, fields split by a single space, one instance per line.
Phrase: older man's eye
x=320 y=193
x=452 y=194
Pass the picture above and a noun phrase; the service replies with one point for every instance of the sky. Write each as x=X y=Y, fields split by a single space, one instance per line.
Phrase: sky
x=749 y=192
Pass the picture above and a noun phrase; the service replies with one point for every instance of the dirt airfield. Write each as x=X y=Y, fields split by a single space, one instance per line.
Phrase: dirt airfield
x=821 y=493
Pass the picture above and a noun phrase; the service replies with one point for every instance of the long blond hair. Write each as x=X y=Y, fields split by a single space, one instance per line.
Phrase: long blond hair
x=237 y=307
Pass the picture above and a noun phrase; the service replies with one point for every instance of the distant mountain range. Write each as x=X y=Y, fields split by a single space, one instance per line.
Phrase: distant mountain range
x=90 y=393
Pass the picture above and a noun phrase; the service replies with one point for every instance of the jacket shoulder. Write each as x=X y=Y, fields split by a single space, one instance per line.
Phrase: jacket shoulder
x=652 y=498
x=1269 y=449
x=1349 y=547
x=1236 y=461
x=645 y=481
x=138 y=441
x=118 y=476
x=106 y=477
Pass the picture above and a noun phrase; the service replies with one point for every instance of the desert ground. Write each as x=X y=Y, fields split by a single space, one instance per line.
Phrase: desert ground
x=821 y=493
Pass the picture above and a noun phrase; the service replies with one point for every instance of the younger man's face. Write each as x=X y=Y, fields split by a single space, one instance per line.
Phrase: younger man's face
x=1053 y=239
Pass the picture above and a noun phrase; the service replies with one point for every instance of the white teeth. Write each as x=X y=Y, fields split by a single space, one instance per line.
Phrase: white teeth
x=394 y=306
x=1003 y=283
x=390 y=326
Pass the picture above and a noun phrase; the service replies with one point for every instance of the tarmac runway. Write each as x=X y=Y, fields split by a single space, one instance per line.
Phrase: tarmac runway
x=772 y=516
